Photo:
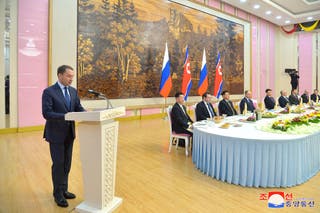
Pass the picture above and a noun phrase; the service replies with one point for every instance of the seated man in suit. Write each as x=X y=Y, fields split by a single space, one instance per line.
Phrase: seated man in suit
x=315 y=96
x=204 y=109
x=294 y=98
x=247 y=100
x=181 y=121
x=225 y=105
x=283 y=99
x=269 y=101
x=305 y=97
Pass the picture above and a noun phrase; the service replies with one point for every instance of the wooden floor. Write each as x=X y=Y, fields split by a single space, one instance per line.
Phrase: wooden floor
x=149 y=179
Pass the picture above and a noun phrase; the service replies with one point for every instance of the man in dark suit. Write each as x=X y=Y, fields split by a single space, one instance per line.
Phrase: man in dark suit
x=305 y=97
x=294 y=79
x=181 y=121
x=204 y=109
x=315 y=96
x=57 y=100
x=294 y=98
x=7 y=94
x=225 y=105
x=247 y=100
x=269 y=101
x=283 y=99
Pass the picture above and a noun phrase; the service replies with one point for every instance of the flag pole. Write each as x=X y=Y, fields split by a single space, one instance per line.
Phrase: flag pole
x=164 y=109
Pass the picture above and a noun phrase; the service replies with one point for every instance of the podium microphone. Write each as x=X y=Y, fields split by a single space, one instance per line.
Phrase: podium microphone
x=100 y=95
x=94 y=92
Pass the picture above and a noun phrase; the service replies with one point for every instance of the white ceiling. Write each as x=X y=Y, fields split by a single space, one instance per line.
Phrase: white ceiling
x=291 y=11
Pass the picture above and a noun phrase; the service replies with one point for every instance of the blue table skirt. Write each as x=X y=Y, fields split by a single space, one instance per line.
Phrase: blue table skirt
x=256 y=163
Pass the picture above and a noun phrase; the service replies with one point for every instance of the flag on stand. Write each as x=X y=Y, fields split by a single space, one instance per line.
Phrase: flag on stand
x=203 y=82
x=186 y=78
x=166 y=82
x=218 y=82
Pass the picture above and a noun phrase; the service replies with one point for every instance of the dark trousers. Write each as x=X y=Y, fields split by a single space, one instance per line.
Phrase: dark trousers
x=61 y=155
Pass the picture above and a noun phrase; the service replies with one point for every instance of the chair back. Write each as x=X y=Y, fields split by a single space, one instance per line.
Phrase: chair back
x=216 y=108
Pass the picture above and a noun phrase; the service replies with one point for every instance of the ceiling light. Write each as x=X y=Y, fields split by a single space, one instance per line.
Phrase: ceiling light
x=310 y=18
x=287 y=21
x=256 y=6
x=268 y=12
x=278 y=17
x=243 y=1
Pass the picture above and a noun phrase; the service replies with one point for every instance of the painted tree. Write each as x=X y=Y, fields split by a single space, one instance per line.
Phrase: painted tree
x=85 y=55
x=86 y=11
x=123 y=36
x=103 y=53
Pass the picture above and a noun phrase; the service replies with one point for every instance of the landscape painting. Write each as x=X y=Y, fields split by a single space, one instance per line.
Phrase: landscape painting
x=121 y=45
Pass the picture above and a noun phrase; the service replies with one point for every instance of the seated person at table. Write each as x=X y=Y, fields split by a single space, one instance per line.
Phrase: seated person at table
x=305 y=97
x=294 y=98
x=225 y=105
x=315 y=96
x=247 y=100
x=181 y=121
x=204 y=109
x=283 y=99
x=269 y=101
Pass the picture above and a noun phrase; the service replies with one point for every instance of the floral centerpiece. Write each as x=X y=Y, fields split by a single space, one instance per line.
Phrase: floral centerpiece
x=304 y=119
x=282 y=125
x=296 y=122
x=269 y=115
x=298 y=110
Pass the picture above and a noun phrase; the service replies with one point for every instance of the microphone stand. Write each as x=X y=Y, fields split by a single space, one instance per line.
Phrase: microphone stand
x=102 y=96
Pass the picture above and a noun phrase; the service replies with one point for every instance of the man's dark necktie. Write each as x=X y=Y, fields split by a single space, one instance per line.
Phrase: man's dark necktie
x=67 y=97
x=229 y=104
x=210 y=110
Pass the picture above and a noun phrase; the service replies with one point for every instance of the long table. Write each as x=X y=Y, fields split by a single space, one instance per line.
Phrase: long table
x=249 y=157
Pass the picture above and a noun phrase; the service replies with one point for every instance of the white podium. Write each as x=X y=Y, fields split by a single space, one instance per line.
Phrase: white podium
x=98 y=136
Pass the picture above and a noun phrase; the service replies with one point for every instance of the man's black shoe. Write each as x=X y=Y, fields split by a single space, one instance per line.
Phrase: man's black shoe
x=69 y=195
x=61 y=201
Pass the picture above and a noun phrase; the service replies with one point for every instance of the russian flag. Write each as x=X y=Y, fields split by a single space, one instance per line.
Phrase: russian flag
x=186 y=78
x=203 y=82
x=166 y=82
x=218 y=83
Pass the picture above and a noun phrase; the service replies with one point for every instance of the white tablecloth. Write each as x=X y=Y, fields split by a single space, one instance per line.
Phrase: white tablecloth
x=249 y=157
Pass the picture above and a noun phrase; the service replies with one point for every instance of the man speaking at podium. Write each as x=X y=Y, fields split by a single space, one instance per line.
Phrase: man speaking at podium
x=57 y=100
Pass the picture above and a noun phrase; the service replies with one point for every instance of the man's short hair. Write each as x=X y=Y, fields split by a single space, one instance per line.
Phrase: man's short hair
x=204 y=95
x=246 y=92
x=224 y=92
x=62 y=69
x=267 y=90
x=178 y=94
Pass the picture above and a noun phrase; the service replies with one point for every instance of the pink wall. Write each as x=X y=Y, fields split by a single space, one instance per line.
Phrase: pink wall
x=242 y=14
x=32 y=60
x=272 y=50
x=305 y=61
x=262 y=52
x=254 y=56
x=214 y=3
x=229 y=9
